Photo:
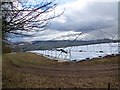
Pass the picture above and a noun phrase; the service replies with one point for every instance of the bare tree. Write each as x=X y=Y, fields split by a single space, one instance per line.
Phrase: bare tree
x=19 y=17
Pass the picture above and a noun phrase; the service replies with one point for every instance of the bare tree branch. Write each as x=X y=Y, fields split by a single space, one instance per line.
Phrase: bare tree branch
x=24 y=16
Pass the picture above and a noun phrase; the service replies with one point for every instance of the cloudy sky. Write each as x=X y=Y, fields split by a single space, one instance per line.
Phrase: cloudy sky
x=95 y=19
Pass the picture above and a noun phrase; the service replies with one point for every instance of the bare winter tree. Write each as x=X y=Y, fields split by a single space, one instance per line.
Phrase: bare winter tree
x=19 y=17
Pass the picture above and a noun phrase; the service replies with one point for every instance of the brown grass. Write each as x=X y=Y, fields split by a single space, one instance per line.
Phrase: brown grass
x=27 y=70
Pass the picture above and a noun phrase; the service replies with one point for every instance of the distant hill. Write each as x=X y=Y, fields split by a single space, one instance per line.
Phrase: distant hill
x=42 y=45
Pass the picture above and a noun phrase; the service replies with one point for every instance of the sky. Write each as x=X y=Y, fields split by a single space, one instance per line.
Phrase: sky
x=95 y=19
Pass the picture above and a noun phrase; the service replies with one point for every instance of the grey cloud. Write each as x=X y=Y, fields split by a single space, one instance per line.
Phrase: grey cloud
x=97 y=15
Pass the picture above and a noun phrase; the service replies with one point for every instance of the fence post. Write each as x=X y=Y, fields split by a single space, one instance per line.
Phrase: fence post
x=108 y=86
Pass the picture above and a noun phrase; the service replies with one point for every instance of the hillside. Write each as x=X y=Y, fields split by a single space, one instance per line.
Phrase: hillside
x=27 y=70
x=40 y=45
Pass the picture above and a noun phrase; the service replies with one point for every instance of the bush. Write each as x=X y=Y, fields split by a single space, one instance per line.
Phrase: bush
x=5 y=48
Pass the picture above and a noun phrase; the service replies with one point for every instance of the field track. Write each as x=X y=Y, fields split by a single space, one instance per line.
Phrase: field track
x=30 y=70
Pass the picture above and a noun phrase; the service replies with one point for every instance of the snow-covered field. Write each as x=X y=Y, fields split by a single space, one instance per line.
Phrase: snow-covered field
x=80 y=52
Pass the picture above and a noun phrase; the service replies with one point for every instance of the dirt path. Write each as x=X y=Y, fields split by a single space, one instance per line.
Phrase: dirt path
x=70 y=70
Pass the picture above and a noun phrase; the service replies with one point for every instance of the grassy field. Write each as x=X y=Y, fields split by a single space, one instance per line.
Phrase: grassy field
x=27 y=70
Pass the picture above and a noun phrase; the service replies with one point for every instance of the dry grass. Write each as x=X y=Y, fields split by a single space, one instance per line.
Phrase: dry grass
x=27 y=70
